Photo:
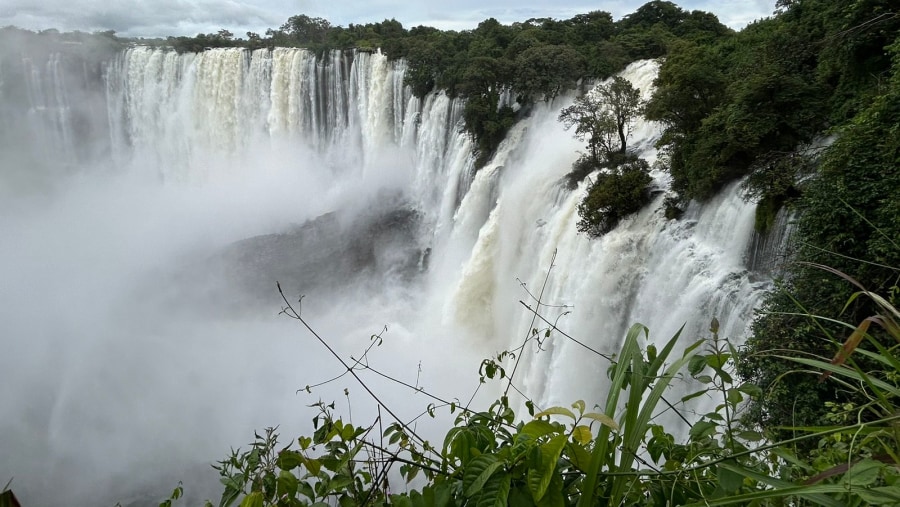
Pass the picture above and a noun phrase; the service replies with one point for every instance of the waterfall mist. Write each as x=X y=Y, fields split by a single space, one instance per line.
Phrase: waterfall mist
x=138 y=304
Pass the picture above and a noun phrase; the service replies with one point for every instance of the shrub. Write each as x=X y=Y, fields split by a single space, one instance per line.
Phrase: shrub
x=614 y=195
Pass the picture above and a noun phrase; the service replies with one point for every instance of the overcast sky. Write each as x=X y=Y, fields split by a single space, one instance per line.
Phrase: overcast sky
x=149 y=18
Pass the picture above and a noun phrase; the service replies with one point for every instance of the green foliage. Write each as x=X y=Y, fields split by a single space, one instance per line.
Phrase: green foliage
x=613 y=196
x=544 y=71
x=849 y=221
x=604 y=118
x=616 y=454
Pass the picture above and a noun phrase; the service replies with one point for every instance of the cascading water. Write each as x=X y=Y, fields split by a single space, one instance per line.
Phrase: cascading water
x=128 y=371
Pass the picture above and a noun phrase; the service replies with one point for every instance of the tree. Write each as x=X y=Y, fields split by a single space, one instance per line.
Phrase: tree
x=544 y=71
x=303 y=29
x=604 y=117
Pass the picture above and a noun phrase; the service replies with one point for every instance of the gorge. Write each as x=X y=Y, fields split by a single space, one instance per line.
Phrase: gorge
x=150 y=204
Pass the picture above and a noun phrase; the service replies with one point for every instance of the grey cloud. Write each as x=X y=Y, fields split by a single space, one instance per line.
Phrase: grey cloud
x=184 y=17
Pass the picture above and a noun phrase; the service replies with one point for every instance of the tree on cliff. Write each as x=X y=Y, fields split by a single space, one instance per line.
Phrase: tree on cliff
x=605 y=118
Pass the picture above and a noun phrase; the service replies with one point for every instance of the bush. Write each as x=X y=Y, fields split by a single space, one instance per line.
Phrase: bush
x=613 y=196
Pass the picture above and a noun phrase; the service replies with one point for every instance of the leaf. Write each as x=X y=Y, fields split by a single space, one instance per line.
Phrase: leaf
x=313 y=465
x=694 y=395
x=849 y=346
x=339 y=483
x=441 y=495
x=289 y=460
x=478 y=471
x=702 y=429
x=879 y=496
x=253 y=500
x=579 y=456
x=538 y=428
x=734 y=397
x=751 y=390
x=520 y=497
x=539 y=478
x=750 y=436
x=696 y=365
x=864 y=473
x=495 y=492
x=555 y=411
x=554 y=496
x=401 y=501
x=602 y=419
x=730 y=481
x=287 y=484
x=582 y=434
x=579 y=405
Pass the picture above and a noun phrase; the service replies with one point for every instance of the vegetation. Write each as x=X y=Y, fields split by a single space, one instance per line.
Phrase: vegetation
x=604 y=119
x=613 y=196
x=614 y=454
x=536 y=59
x=762 y=105
x=849 y=221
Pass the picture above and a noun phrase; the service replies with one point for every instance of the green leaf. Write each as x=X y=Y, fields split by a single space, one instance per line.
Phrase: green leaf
x=417 y=499
x=347 y=432
x=306 y=490
x=579 y=405
x=555 y=411
x=289 y=460
x=579 y=456
x=313 y=465
x=495 y=492
x=582 y=434
x=751 y=390
x=602 y=419
x=734 y=397
x=339 y=483
x=702 y=429
x=401 y=501
x=694 y=395
x=750 y=436
x=879 y=496
x=539 y=478
x=696 y=365
x=253 y=500
x=730 y=481
x=538 y=428
x=441 y=493
x=520 y=497
x=229 y=496
x=554 y=496
x=287 y=484
x=864 y=473
x=478 y=472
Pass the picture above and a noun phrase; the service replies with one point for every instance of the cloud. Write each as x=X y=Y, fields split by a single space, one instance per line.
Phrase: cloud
x=188 y=17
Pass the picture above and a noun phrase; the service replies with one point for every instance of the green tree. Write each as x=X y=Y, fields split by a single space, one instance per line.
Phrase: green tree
x=303 y=29
x=605 y=119
x=546 y=70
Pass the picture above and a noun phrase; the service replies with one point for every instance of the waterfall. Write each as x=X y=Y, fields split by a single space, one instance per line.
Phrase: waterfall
x=216 y=165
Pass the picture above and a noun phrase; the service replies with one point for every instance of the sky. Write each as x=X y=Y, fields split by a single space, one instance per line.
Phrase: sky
x=160 y=18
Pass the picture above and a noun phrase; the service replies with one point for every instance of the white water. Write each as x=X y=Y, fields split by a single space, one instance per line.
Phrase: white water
x=119 y=383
